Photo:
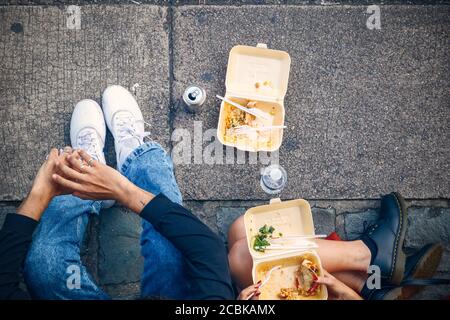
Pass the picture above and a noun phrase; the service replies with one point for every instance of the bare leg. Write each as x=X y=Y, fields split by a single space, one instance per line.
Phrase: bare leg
x=343 y=255
x=236 y=232
x=353 y=279
x=239 y=257
x=241 y=264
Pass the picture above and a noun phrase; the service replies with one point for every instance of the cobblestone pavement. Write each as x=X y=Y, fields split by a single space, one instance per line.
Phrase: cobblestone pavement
x=367 y=110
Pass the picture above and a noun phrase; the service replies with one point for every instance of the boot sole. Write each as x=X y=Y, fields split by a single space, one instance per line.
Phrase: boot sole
x=399 y=256
x=425 y=269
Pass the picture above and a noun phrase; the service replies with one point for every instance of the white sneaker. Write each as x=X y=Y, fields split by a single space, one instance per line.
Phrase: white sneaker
x=124 y=119
x=88 y=131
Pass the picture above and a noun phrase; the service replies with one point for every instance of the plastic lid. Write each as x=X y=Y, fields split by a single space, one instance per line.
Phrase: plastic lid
x=276 y=174
x=289 y=218
x=258 y=73
x=273 y=179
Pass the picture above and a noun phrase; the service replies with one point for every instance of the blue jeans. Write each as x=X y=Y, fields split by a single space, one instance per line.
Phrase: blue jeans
x=53 y=262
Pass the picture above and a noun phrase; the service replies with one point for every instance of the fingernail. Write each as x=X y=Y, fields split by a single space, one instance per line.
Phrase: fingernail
x=259 y=282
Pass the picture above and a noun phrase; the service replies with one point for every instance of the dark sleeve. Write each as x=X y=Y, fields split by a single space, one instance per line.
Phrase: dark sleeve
x=15 y=239
x=204 y=252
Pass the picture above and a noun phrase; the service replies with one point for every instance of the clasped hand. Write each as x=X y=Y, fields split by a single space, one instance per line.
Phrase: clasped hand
x=83 y=176
x=76 y=172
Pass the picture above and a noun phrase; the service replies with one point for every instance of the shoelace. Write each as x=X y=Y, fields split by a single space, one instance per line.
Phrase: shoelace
x=87 y=142
x=126 y=129
x=368 y=228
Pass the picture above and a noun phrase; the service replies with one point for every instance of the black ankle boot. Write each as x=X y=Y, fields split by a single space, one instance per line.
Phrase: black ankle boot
x=385 y=239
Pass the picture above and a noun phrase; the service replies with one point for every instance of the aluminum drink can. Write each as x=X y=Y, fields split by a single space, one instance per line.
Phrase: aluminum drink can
x=193 y=98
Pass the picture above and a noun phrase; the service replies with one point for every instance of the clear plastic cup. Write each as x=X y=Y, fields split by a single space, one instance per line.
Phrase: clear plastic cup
x=273 y=179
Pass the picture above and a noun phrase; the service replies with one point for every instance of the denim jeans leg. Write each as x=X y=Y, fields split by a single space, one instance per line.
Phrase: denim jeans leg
x=150 y=168
x=53 y=268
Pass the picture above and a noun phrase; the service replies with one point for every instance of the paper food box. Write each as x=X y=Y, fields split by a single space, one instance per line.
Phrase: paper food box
x=290 y=221
x=256 y=77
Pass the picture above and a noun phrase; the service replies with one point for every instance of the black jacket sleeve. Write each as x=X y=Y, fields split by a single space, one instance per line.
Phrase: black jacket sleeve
x=15 y=239
x=204 y=252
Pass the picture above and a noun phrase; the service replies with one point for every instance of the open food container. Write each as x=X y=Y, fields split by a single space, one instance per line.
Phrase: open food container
x=256 y=77
x=287 y=219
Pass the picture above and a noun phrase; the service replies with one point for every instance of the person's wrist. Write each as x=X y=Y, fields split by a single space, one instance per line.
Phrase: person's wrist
x=352 y=295
x=124 y=192
x=35 y=204
x=41 y=196
x=133 y=197
x=346 y=293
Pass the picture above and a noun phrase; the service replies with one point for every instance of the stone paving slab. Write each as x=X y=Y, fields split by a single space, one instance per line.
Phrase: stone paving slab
x=221 y=2
x=45 y=68
x=128 y=291
x=120 y=259
x=367 y=110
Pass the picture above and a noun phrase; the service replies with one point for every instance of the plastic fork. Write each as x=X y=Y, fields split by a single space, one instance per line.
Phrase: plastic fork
x=266 y=279
x=293 y=247
x=253 y=111
x=244 y=128
x=288 y=238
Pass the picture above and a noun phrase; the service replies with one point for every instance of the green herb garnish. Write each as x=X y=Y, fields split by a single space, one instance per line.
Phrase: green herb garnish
x=261 y=243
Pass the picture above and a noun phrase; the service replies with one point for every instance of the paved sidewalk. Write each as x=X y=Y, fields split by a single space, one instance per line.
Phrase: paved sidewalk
x=367 y=110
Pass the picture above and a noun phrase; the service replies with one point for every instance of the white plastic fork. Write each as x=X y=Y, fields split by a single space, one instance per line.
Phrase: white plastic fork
x=243 y=128
x=266 y=279
x=293 y=247
x=288 y=238
x=253 y=111
x=269 y=274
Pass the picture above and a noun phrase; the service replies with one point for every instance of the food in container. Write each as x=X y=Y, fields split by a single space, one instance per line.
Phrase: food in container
x=261 y=239
x=257 y=77
x=294 y=280
x=250 y=139
x=278 y=222
x=236 y=119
